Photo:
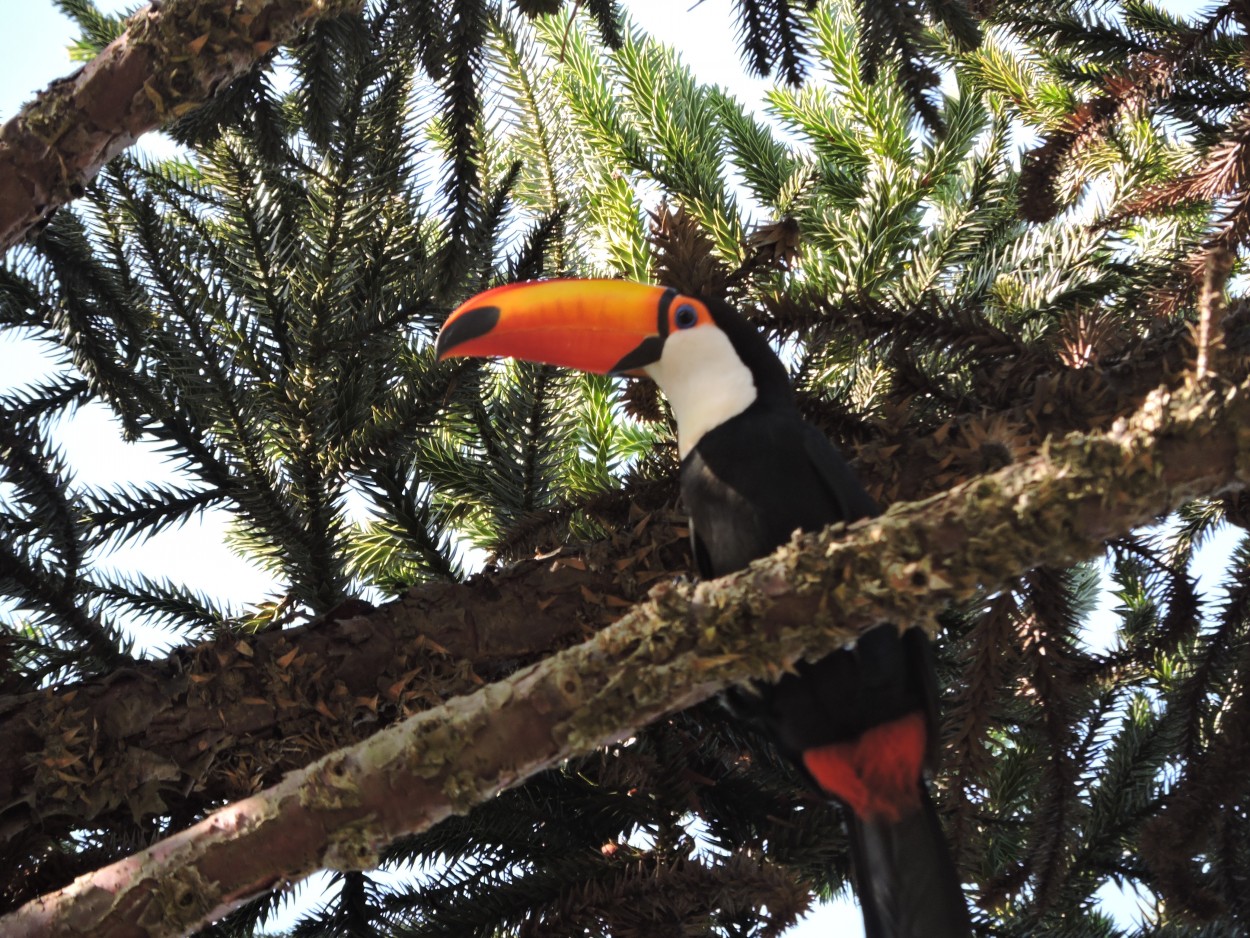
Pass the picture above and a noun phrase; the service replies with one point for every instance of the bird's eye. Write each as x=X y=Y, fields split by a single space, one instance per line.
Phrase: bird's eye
x=686 y=316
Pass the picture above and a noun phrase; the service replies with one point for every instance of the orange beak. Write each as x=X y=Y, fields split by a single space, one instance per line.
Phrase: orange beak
x=602 y=326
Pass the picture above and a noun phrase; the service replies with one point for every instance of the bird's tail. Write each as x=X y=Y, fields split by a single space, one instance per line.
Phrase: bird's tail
x=905 y=878
x=904 y=873
x=859 y=722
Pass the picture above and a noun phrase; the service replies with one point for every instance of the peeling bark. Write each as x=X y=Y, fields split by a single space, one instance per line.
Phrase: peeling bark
x=173 y=57
x=679 y=647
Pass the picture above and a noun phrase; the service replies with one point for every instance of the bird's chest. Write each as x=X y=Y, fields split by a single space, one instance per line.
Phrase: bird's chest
x=742 y=504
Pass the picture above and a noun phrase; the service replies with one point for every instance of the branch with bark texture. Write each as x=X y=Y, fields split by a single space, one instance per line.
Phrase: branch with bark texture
x=681 y=646
x=172 y=58
x=217 y=721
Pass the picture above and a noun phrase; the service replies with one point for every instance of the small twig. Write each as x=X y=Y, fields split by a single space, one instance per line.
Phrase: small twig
x=568 y=27
x=1212 y=308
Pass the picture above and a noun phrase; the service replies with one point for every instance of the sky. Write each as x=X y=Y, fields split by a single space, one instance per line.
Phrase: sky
x=33 y=52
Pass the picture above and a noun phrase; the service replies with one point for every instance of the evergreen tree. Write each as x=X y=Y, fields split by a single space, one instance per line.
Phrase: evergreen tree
x=262 y=307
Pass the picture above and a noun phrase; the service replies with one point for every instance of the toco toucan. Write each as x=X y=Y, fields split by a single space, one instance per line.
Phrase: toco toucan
x=858 y=722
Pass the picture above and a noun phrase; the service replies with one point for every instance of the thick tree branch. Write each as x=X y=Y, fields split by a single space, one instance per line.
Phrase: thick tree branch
x=213 y=724
x=680 y=647
x=173 y=57
x=220 y=720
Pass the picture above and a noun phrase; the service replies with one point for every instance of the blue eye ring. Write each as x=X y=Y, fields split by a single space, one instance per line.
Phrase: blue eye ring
x=685 y=316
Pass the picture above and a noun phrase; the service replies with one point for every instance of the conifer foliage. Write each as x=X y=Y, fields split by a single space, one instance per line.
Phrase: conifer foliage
x=262 y=308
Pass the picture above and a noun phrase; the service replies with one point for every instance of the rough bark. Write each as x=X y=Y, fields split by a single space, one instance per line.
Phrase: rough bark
x=679 y=647
x=220 y=720
x=173 y=57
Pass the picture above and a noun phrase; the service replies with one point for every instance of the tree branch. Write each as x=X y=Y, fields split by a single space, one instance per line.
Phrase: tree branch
x=1036 y=399
x=216 y=721
x=681 y=646
x=214 y=724
x=173 y=57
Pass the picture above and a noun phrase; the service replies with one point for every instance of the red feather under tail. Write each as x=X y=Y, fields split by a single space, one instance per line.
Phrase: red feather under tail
x=905 y=879
x=878 y=774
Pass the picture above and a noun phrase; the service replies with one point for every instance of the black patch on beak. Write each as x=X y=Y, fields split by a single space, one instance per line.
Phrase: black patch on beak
x=648 y=351
x=661 y=319
x=471 y=324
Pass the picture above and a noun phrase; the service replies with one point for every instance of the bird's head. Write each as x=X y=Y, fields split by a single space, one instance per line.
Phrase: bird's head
x=710 y=363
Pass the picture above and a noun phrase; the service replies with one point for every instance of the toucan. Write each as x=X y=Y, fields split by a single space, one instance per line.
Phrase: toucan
x=858 y=723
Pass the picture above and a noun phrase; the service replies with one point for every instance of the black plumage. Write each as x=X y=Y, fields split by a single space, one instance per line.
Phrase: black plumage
x=748 y=484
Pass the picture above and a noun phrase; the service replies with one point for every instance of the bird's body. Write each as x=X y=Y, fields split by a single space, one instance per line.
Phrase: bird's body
x=731 y=485
x=858 y=722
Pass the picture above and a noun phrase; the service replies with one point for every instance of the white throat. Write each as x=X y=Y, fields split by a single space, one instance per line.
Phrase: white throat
x=704 y=380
